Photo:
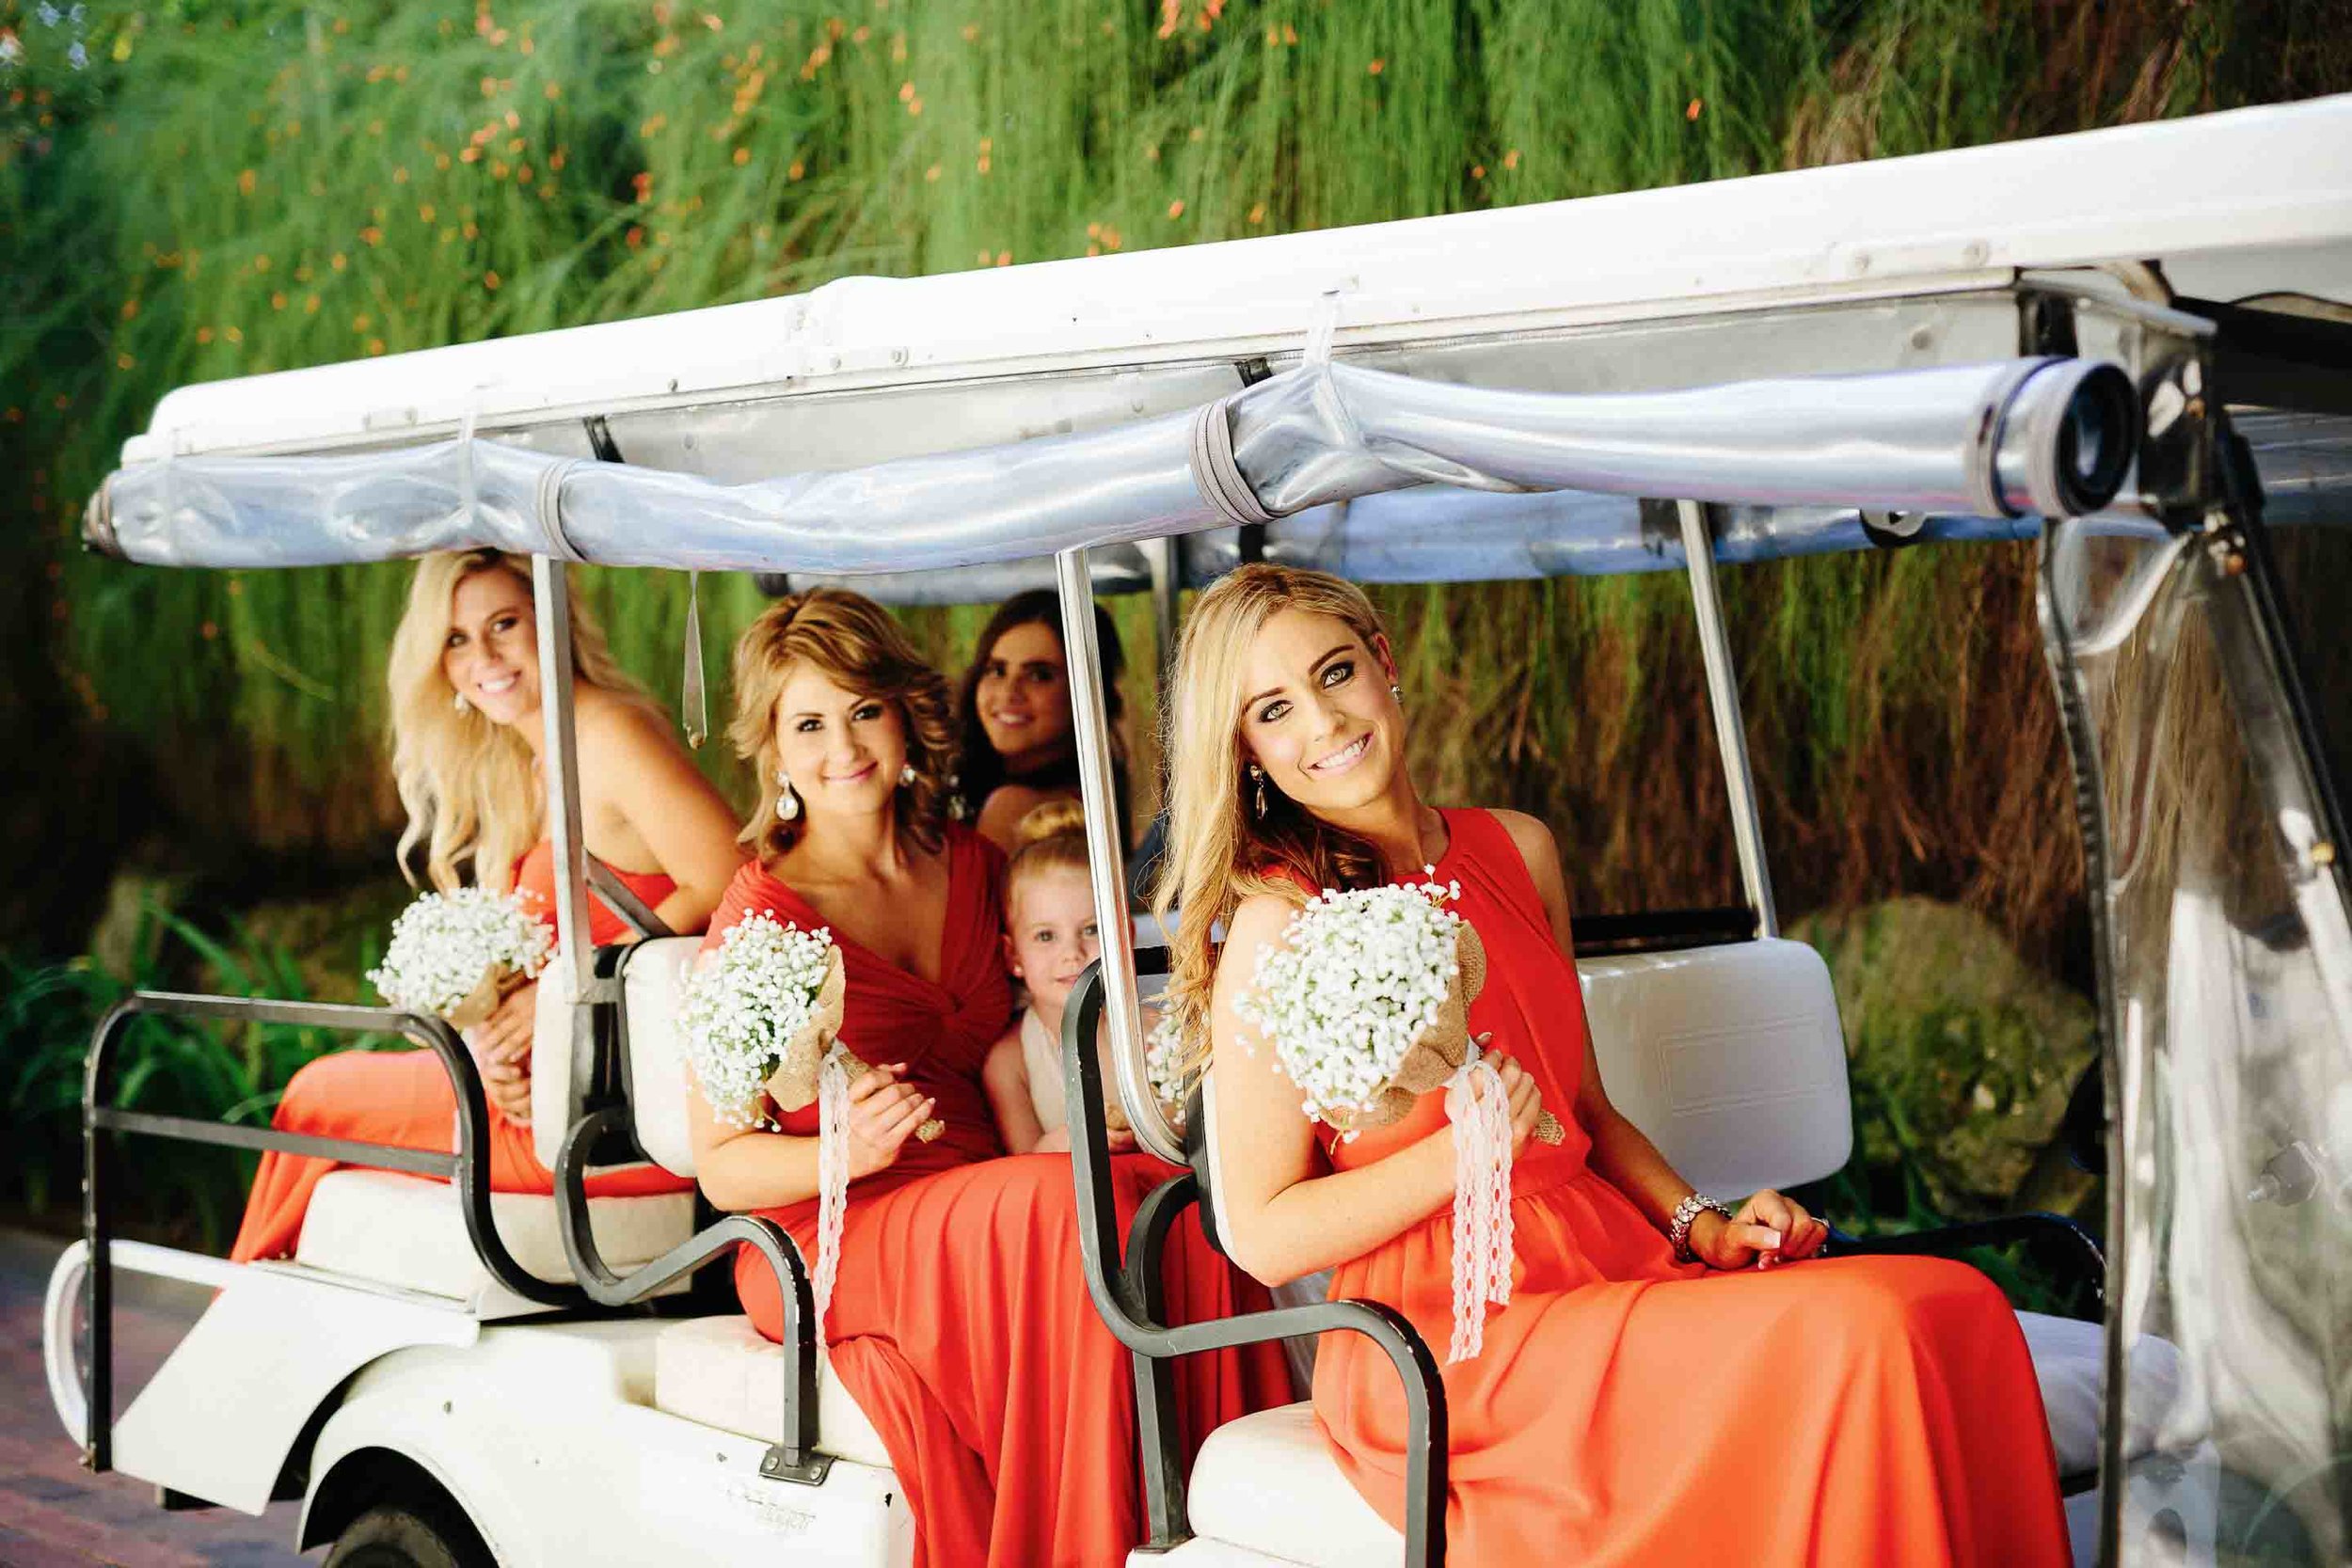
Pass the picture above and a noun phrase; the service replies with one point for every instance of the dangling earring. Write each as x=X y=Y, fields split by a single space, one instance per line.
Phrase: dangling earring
x=1257 y=776
x=788 y=803
x=906 y=776
x=461 y=704
x=1398 y=692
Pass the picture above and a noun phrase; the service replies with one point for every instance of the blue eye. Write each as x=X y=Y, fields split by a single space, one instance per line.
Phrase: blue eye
x=1338 y=672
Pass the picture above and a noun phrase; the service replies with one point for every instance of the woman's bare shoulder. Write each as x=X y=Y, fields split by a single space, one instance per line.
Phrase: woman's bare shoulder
x=1007 y=804
x=614 y=727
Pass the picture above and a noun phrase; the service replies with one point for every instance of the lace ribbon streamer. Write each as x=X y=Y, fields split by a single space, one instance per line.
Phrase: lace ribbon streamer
x=1480 y=1110
x=832 y=1177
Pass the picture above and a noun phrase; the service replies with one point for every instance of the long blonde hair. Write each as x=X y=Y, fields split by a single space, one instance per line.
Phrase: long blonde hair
x=857 y=645
x=1218 y=853
x=468 y=782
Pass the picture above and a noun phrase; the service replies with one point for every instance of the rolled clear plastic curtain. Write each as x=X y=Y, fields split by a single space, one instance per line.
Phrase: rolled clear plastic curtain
x=2047 y=437
x=2231 y=1282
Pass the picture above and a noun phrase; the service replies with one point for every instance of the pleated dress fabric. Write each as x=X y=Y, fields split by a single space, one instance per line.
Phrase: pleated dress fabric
x=1630 y=1410
x=959 y=1319
x=404 y=1098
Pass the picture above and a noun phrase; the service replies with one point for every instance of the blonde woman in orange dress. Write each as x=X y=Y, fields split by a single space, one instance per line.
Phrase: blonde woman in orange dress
x=1671 y=1383
x=465 y=681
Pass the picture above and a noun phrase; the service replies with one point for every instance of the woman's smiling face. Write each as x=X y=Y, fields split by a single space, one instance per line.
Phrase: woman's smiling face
x=843 y=750
x=491 y=654
x=1024 y=695
x=1318 y=715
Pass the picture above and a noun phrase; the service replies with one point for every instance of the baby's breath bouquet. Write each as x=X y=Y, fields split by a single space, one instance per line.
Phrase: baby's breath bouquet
x=770 y=1006
x=763 y=1023
x=1368 y=1005
x=454 y=955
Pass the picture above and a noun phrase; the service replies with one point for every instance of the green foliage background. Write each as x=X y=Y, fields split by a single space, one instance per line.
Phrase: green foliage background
x=225 y=189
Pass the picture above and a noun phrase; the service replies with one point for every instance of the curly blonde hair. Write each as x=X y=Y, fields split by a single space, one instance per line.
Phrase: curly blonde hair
x=1217 y=853
x=855 y=642
x=468 y=782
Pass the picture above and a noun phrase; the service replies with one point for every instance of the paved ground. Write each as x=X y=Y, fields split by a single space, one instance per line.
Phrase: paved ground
x=56 y=1515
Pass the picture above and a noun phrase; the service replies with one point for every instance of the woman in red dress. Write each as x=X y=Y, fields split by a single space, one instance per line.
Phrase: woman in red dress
x=1710 y=1398
x=960 y=1319
x=464 y=674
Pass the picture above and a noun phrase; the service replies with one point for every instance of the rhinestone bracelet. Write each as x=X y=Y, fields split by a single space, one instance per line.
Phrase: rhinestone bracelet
x=1686 y=1212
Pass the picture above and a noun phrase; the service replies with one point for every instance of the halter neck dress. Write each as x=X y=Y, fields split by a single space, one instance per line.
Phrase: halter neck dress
x=960 y=1319
x=1629 y=1410
x=404 y=1098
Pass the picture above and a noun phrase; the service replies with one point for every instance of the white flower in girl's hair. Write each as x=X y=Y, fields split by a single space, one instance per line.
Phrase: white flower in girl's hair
x=447 y=947
x=1362 y=977
x=742 y=1012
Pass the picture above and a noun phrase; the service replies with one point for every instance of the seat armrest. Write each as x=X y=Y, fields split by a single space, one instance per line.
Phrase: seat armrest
x=2056 y=1242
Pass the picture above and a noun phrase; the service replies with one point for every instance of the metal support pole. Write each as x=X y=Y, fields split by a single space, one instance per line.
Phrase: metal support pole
x=1167 y=586
x=559 y=767
x=1106 y=860
x=1731 y=736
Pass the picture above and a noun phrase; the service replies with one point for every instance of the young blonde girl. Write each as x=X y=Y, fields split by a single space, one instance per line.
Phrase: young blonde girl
x=1050 y=938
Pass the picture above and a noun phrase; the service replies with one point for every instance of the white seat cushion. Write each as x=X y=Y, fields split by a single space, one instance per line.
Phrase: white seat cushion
x=720 y=1373
x=409 y=1232
x=1268 y=1482
x=2069 y=1362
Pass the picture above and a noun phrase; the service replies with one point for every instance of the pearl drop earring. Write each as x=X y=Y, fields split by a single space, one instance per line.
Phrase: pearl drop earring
x=906 y=776
x=788 y=803
x=461 y=704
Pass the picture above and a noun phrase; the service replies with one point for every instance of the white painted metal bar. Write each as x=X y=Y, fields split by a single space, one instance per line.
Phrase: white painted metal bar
x=1106 y=860
x=1731 y=736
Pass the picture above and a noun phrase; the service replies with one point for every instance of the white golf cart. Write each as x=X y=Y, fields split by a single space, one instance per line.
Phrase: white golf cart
x=2009 y=342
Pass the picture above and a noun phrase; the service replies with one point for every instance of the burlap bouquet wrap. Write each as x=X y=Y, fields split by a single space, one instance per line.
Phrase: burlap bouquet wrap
x=1439 y=1051
x=498 y=982
x=793 y=1084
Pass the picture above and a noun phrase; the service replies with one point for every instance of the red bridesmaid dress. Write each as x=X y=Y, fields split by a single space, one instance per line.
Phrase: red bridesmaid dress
x=959 y=1317
x=1630 y=1410
x=404 y=1098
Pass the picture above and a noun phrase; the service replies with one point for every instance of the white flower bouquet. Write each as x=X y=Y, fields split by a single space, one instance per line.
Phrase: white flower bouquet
x=763 y=1023
x=1368 y=1005
x=454 y=955
x=767 y=1010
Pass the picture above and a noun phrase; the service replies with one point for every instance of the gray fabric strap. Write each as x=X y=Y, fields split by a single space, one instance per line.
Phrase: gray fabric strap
x=550 y=517
x=1216 y=474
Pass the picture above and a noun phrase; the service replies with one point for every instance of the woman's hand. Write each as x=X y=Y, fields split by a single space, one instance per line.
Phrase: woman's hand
x=883 y=1115
x=1526 y=1100
x=1770 y=1229
x=501 y=1045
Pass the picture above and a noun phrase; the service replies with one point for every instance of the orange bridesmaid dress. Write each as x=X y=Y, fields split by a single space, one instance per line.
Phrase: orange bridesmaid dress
x=959 y=1319
x=404 y=1098
x=1630 y=1410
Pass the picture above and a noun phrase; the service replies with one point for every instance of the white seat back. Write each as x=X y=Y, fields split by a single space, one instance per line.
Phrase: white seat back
x=652 y=986
x=653 y=991
x=1730 y=1058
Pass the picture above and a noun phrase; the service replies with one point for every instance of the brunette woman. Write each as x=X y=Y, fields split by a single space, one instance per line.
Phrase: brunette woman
x=1015 y=735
